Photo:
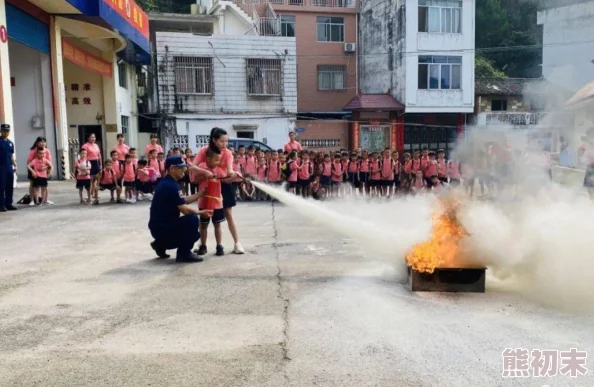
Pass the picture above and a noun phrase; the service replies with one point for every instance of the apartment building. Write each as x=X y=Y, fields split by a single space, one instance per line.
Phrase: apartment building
x=217 y=70
x=417 y=64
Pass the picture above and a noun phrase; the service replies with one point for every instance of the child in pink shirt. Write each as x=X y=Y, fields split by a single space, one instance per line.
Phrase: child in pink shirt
x=212 y=200
x=39 y=168
x=430 y=169
x=117 y=170
x=121 y=149
x=293 y=166
x=146 y=179
x=153 y=146
x=261 y=173
x=83 y=176
x=274 y=169
x=251 y=162
x=108 y=179
x=375 y=176
x=418 y=183
x=337 y=175
x=387 y=173
x=129 y=176
x=326 y=174
x=304 y=174
x=407 y=174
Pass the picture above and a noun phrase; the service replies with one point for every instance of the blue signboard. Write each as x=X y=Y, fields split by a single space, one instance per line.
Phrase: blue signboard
x=299 y=130
x=125 y=16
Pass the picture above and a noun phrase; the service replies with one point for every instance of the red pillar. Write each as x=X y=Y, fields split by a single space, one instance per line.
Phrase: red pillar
x=398 y=134
x=355 y=135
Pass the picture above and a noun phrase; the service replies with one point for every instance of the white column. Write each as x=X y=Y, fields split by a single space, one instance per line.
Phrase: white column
x=111 y=104
x=5 y=85
x=60 y=112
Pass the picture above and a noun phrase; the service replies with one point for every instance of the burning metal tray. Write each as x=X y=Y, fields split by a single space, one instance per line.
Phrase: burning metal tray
x=448 y=280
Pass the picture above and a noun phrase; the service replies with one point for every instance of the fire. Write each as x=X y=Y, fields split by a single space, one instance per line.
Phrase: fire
x=443 y=249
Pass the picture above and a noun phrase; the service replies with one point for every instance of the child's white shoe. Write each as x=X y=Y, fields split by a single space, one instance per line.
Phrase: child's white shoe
x=238 y=249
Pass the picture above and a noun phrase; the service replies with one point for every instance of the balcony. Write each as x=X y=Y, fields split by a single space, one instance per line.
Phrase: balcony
x=524 y=119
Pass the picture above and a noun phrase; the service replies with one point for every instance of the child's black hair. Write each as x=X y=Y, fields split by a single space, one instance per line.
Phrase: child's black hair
x=120 y=135
x=251 y=147
x=210 y=152
x=326 y=155
x=132 y=150
x=128 y=156
x=142 y=163
x=112 y=152
x=82 y=150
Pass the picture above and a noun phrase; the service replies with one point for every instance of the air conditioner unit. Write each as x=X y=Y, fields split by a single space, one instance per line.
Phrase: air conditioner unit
x=350 y=47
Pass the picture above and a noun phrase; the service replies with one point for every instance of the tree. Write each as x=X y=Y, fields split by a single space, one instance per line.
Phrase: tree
x=502 y=26
x=483 y=68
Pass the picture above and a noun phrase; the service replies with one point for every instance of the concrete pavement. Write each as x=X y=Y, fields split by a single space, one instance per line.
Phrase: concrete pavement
x=84 y=302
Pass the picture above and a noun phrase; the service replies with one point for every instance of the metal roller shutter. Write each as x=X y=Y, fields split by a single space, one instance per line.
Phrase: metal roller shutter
x=27 y=30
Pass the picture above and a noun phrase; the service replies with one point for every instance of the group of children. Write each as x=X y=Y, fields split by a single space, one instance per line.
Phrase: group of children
x=122 y=172
x=322 y=175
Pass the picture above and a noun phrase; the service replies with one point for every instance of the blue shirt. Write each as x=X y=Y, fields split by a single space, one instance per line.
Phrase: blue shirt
x=168 y=196
x=6 y=152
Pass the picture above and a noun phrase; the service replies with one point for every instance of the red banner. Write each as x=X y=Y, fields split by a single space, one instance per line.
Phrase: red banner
x=394 y=135
x=131 y=12
x=86 y=60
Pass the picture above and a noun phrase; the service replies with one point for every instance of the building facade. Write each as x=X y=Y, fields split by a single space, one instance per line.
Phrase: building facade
x=420 y=52
x=68 y=69
x=531 y=111
x=240 y=81
x=326 y=57
x=567 y=50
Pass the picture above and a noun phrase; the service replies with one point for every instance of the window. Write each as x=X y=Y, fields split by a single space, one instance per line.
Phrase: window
x=123 y=75
x=330 y=29
x=331 y=77
x=193 y=75
x=126 y=127
x=440 y=72
x=440 y=16
x=287 y=25
x=499 y=105
x=264 y=76
x=245 y=134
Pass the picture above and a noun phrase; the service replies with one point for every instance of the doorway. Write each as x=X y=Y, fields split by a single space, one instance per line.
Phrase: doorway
x=85 y=130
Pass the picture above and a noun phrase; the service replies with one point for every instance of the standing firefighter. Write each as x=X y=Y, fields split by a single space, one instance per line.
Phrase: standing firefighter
x=8 y=167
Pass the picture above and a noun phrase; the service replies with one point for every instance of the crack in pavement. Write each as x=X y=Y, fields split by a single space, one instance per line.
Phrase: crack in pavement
x=279 y=291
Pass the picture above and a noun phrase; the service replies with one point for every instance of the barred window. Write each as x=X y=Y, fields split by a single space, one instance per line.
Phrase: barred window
x=193 y=75
x=331 y=77
x=264 y=76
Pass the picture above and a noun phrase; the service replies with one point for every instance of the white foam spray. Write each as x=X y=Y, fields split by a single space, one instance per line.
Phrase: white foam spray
x=388 y=229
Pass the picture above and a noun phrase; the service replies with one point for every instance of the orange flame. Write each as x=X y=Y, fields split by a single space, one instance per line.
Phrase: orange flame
x=443 y=249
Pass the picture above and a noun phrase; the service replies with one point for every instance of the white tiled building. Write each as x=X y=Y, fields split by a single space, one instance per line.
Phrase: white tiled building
x=422 y=51
x=245 y=84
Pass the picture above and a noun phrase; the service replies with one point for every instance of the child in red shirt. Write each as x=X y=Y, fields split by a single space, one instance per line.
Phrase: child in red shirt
x=40 y=167
x=212 y=200
x=108 y=178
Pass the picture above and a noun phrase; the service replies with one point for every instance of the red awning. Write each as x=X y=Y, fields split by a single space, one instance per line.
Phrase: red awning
x=374 y=102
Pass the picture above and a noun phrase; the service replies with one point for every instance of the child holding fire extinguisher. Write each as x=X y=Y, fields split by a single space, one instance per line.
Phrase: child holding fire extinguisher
x=212 y=200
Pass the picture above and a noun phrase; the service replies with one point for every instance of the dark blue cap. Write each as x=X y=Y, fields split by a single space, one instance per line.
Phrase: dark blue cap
x=175 y=161
x=4 y=127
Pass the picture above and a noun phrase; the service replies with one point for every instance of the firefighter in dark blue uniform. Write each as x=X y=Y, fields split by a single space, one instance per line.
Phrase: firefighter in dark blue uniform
x=170 y=230
x=8 y=167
